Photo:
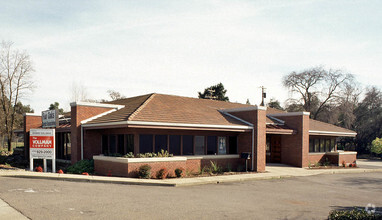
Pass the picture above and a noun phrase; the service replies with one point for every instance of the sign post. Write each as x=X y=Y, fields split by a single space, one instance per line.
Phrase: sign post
x=42 y=146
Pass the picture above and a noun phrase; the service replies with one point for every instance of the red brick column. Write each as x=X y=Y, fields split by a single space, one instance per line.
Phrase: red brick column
x=30 y=121
x=257 y=117
x=295 y=148
x=80 y=112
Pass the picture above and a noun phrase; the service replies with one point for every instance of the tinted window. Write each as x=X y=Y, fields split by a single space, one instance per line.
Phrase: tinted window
x=188 y=145
x=232 y=145
x=105 y=144
x=175 y=144
x=145 y=143
x=121 y=144
x=160 y=143
x=129 y=143
x=199 y=145
x=211 y=145
x=113 y=144
x=222 y=145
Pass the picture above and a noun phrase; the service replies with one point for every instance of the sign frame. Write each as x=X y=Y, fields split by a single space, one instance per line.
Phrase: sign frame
x=49 y=118
x=42 y=145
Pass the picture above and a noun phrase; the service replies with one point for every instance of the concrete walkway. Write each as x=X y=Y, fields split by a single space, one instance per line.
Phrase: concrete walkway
x=7 y=212
x=273 y=171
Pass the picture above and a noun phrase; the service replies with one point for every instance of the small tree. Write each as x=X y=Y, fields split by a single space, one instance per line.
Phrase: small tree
x=114 y=95
x=376 y=146
x=15 y=80
x=216 y=92
x=56 y=105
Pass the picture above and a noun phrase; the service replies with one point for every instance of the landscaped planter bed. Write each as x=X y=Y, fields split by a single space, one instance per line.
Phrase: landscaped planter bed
x=191 y=165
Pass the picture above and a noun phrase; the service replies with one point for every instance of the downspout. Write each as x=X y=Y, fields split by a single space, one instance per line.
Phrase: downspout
x=253 y=148
x=82 y=142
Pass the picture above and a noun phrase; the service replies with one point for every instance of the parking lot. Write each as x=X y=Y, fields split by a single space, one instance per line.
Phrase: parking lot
x=309 y=197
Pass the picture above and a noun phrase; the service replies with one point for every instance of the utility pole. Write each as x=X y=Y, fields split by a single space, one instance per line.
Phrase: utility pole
x=263 y=95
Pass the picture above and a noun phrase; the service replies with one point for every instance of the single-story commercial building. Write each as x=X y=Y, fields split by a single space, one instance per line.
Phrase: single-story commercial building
x=195 y=131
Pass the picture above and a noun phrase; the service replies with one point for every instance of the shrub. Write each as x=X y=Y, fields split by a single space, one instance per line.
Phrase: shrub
x=376 y=146
x=162 y=173
x=144 y=171
x=353 y=214
x=39 y=169
x=327 y=162
x=215 y=168
x=229 y=167
x=178 y=172
x=82 y=166
x=129 y=155
x=164 y=153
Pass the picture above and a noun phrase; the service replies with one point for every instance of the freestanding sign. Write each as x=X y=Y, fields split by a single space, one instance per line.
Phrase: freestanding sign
x=42 y=146
x=49 y=118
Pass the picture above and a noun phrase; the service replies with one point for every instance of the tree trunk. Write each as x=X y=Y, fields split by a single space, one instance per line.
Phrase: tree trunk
x=9 y=144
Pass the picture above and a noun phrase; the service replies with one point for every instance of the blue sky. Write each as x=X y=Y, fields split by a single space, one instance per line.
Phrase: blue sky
x=182 y=47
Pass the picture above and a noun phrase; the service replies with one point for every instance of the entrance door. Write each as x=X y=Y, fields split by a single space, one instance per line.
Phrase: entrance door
x=275 y=149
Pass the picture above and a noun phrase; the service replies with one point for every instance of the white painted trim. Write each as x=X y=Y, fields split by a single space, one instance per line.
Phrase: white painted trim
x=312 y=132
x=237 y=118
x=281 y=122
x=93 y=104
x=31 y=114
x=97 y=116
x=250 y=108
x=341 y=153
x=290 y=114
x=213 y=157
x=168 y=124
x=139 y=160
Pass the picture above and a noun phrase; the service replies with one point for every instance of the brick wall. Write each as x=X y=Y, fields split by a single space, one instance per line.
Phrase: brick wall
x=78 y=114
x=30 y=122
x=334 y=158
x=105 y=168
x=295 y=148
x=258 y=119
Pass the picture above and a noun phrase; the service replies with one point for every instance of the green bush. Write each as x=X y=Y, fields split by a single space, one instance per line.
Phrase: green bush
x=215 y=168
x=376 y=146
x=178 y=172
x=355 y=214
x=144 y=171
x=82 y=166
x=129 y=155
x=162 y=173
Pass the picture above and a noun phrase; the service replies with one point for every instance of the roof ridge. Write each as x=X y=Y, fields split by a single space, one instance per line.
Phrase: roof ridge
x=137 y=110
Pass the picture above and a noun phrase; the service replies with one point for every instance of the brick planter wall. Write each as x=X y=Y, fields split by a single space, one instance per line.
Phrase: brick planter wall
x=128 y=167
x=336 y=158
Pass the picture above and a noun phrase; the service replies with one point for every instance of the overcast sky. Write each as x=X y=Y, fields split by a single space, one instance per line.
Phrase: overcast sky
x=181 y=47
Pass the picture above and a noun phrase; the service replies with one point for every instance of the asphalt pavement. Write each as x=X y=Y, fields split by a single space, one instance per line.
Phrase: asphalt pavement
x=306 y=197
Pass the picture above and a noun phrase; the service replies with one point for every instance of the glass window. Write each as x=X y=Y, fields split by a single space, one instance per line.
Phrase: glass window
x=129 y=143
x=188 y=145
x=112 y=144
x=316 y=145
x=322 y=145
x=160 y=143
x=121 y=144
x=222 y=145
x=311 y=145
x=145 y=143
x=232 y=145
x=199 y=145
x=211 y=145
x=105 y=144
x=174 y=144
x=332 y=144
x=327 y=145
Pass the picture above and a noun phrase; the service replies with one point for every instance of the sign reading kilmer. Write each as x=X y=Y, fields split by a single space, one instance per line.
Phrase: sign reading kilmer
x=50 y=118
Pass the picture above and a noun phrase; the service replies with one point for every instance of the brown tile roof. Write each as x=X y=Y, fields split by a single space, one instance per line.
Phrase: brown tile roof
x=131 y=105
x=177 y=109
x=171 y=109
x=315 y=125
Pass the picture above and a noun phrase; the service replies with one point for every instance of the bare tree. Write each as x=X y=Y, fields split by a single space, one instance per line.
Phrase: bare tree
x=114 y=95
x=15 y=80
x=78 y=92
x=317 y=87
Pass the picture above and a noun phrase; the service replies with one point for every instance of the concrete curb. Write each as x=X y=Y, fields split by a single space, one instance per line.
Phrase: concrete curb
x=181 y=181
